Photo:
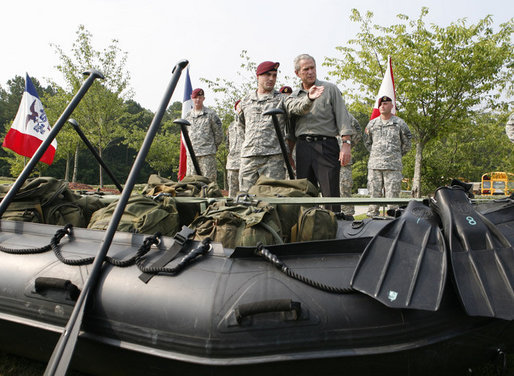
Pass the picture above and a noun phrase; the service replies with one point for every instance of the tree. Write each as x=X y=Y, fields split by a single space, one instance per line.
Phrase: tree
x=483 y=148
x=100 y=112
x=165 y=150
x=444 y=76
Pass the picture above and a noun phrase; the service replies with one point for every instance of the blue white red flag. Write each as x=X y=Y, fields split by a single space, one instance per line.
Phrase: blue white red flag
x=187 y=105
x=387 y=89
x=30 y=126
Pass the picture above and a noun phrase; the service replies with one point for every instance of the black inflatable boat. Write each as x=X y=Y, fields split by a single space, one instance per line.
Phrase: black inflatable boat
x=233 y=311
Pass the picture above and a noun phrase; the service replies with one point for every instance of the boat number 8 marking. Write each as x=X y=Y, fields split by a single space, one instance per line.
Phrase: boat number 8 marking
x=471 y=220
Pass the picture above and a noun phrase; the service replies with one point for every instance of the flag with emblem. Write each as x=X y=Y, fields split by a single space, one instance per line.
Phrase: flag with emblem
x=187 y=105
x=30 y=126
x=386 y=89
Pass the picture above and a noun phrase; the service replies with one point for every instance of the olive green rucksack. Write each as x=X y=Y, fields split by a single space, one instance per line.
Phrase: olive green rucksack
x=238 y=225
x=190 y=186
x=288 y=213
x=141 y=215
x=49 y=200
x=314 y=224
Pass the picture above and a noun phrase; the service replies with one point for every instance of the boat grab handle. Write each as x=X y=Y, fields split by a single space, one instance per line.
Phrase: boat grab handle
x=44 y=285
x=265 y=306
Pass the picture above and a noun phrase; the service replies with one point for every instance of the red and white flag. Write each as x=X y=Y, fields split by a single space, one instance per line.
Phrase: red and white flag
x=187 y=105
x=30 y=127
x=386 y=89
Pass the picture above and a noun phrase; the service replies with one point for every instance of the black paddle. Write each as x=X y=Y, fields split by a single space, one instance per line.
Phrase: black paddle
x=91 y=148
x=183 y=126
x=93 y=75
x=63 y=351
x=274 y=112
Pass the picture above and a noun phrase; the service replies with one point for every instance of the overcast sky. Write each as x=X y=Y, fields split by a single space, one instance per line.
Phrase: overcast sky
x=210 y=34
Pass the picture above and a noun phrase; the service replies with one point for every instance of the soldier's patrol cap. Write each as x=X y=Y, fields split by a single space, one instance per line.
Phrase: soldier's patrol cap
x=267 y=66
x=286 y=90
x=237 y=102
x=384 y=99
x=197 y=92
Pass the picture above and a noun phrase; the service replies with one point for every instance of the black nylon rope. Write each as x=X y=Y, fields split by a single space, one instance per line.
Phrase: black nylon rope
x=272 y=258
x=26 y=251
x=138 y=260
x=193 y=255
x=68 y=230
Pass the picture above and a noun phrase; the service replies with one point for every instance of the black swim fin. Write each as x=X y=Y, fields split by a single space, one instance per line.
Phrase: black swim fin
x=404 y=265
x=482 y=258
x=501 y=213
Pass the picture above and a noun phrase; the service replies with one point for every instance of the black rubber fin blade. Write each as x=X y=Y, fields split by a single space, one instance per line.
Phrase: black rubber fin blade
x=482 y=258
x=501 y=214
x=404 y=265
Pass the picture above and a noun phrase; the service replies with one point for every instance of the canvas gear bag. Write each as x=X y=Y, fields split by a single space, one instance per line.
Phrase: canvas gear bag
x=24 y=211
x=190 y=186
x=288 y=214
x=141 y=215
x=238 y=225
x=49 y=200
x=314 y=224
x=268 y=187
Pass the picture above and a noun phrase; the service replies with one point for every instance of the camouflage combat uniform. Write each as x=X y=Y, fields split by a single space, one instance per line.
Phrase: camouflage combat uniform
x=233 y=141
x=206 y=135
x=346 y=180
x=387 y=141
x=260 y=153
x=509 y=127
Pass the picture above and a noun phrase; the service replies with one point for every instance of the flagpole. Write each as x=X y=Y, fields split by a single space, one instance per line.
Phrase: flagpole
x=93 y=75
x=186 y=107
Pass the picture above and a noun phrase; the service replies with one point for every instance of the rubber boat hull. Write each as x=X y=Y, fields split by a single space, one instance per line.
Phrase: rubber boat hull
x=193 y=322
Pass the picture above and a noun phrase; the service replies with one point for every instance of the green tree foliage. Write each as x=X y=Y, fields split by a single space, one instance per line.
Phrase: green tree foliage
x=467 y=155
x=101 y=111
x=444 y=76
x=164 y=153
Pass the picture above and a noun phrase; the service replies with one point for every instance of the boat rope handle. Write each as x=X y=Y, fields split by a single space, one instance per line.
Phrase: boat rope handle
x=26 y=251
x=272 y=258
x=204 y=248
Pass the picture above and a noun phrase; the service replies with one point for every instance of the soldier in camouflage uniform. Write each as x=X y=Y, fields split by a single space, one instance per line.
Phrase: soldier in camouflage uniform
x=345 y=178
x=261 y=153
x=509 y=127
x=233 y=141
x=388 y=138
x=206 y=135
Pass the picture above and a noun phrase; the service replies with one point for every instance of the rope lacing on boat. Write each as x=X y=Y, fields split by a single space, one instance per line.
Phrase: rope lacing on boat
x=272 y=258
x=204 y=248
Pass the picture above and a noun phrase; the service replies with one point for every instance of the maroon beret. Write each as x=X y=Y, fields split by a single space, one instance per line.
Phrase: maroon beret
x=237 y=102
x=286 y=90
x=384 y=99
x=267 y=66
x=197 y=92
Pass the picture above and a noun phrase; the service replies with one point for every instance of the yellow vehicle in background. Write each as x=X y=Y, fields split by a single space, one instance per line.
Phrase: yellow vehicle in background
x=497 y=183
